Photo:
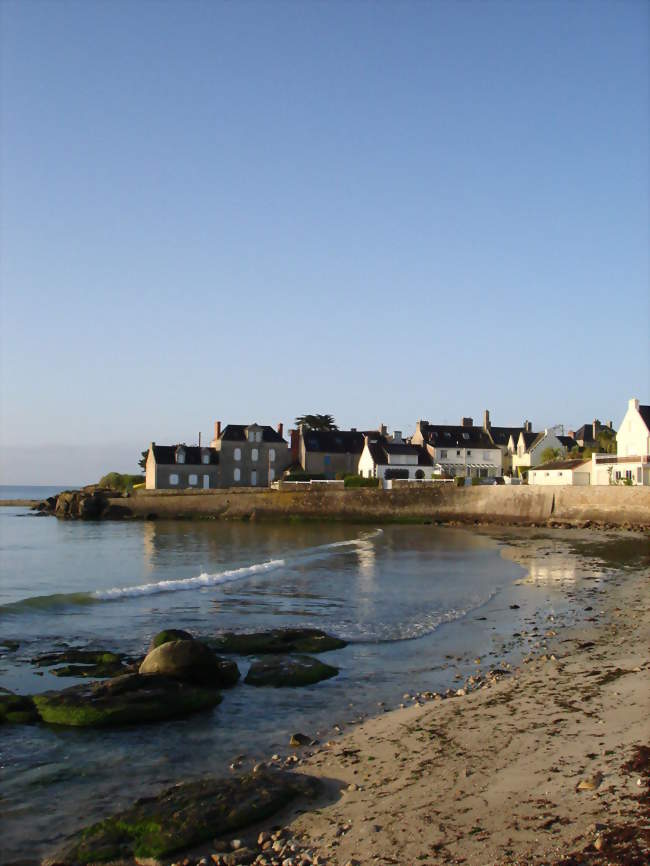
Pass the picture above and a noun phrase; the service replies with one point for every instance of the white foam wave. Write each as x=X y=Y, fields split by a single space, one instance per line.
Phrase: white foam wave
x=231 y=574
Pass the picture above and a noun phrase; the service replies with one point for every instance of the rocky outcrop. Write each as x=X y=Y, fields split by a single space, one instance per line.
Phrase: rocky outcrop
x=91 y=503
x=83 y=663
x=276 y=641
x=288 y=671
x=124 y=700
x=16 y=709
x=186 y=815
x=167 y=635
x=190 y=661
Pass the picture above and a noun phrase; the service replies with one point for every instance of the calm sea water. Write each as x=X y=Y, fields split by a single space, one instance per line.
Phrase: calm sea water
x=31 y=491
x=416 y=603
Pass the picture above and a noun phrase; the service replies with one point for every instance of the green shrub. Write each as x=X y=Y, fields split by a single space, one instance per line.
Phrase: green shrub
x=459 y=480
x=304 y=476
x=475 y=481
x=359 y=481
x=118 y=481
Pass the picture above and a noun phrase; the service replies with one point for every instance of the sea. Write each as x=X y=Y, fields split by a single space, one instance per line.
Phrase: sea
x=417 y=604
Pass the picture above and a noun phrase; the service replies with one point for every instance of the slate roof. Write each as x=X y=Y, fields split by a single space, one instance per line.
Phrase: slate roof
x=567 y=441
x=237 y=433
x=444 y=435
x=561 y=464
x=334 y=441
x=166 y=454
x=380 y=449
x=530 y=439
x=644 y=412
x=501 y=435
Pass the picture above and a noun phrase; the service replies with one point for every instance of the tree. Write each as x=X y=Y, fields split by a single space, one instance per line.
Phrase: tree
x=142 y=462
x=316 y=422
x=606 y=439
x=549 y=454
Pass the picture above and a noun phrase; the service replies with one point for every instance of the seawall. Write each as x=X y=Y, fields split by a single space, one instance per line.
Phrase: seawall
x=574 y=506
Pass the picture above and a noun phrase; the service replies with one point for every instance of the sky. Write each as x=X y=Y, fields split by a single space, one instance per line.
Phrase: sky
x=249 y=211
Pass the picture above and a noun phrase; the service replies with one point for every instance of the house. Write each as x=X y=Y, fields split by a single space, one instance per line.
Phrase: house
x=250 y=455
x=587 y=435
x=530 y=447
x=575 y=472
x=388 y=457
x=505 y=439
x=180 y=467
x=327 y=452
x=631 y=463
x=459 y=450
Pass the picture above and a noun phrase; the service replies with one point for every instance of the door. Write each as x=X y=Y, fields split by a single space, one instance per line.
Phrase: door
x=206 y=482
x=253 y=477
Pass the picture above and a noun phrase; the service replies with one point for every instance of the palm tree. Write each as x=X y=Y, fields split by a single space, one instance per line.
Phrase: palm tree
x=316 y=422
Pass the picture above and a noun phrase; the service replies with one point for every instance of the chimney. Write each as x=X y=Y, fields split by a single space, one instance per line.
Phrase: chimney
x=594 y=429
x=294 y=436
x=280 y=428
x=528 y=427
x=199 y=438
x=217 y=429
x=610 y=425
x=633 y=404
x=486 y=420
x=466 y=422
x=383 y=429
x=353 y=429
x=571 y=434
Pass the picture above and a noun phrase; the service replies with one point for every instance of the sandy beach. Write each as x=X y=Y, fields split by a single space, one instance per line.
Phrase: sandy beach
x=532 y=766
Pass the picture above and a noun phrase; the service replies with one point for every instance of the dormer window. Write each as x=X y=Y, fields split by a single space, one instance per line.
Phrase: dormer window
x=251 y=436
x=465 y=435
x=258 y=436
x=180 y=454
x=205 y=457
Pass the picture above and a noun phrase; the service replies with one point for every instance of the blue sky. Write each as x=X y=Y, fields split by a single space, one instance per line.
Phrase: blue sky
x=248 y=211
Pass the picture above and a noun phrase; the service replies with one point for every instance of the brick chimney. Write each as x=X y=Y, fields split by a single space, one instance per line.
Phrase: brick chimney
x=217 y=429
x=595 y=426
x=280 y=428
x=528 y=427
x=294 y=437
x=486 y=420
x=466 y=422
x=383 y=429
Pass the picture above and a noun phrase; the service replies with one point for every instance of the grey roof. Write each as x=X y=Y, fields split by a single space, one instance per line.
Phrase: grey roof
x=237 y=433
x=444 y=435
x=530 y=438
x=333 y=441
x=561 y=464
x=166 y=454
x=380 y=448
x=501 y=435
x=567 y=441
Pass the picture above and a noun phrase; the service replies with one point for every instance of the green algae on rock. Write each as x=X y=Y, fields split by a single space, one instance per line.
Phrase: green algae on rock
x=83 y=663
x=186 y=815
x=132 y=698
x=190 y=661
x=292 y=671
x=16 y=709
x=169 y=634
x=279 y=640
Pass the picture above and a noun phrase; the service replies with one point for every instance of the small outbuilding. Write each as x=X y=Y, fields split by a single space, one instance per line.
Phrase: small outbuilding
x=575 y=472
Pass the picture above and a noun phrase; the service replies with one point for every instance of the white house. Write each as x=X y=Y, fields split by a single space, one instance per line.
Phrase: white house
x=631 y=463
x=386 y=457
x=575 y=472
x=460 y=450
x=529 y=448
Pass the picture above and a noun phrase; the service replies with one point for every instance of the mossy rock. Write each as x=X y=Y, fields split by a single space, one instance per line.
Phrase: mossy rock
x=17 y=709
x=190 y=661
x=10 y=645
x=129 y=699
x=167 y=635
x=187 y=815
x=279 y=640
x=293 y=671
x=83 y=663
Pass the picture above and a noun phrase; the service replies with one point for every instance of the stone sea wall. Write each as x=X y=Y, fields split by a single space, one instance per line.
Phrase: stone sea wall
x=578 y=506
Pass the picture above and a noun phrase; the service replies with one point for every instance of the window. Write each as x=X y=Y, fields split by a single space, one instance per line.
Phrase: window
x=271 y=474
x=458 y=454
x=469 y=453
x=255 y=454
x=251 y=436
x=443 y=455
x=236 y=474
x=258 y=436
x=180 y=457
x=237 y=454
x=193 y=480
x=173 y=478
x=628 y=474
x=205 y=459
x=253 y=477
x=486 y=455
x=271 y=455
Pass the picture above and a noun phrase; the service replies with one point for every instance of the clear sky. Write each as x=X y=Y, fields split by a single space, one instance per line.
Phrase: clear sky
x=248 y=211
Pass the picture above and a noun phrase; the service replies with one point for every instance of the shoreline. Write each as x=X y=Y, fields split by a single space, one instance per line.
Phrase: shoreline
x=492 y=774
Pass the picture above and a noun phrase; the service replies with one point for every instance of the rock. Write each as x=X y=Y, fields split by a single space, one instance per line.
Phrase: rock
x=83 y=663
x=190 y=661
x=17 y=709
x=124 y=700
x=299 y=740
x=167 y=635
x=277 y=641
x=590 y=784
x=10 y=645
x=187 y=815
x=292 y=671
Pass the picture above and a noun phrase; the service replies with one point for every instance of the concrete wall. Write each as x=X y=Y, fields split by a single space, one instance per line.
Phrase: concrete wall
x=487 y=504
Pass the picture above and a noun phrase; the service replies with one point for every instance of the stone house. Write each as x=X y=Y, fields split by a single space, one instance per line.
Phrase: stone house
x=327 y=452
x=250 y=455
x=182 y=467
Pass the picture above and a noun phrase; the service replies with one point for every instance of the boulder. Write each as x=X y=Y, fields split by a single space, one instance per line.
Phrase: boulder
x=278 y=671
x=190 y=661
x=124 y=700
x=279 y=640
x=16 y=709
x=187 y=815
x=169 y=634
